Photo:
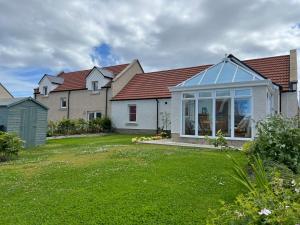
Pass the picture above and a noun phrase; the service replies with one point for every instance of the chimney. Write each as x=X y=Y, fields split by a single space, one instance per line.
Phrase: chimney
x=293 y=65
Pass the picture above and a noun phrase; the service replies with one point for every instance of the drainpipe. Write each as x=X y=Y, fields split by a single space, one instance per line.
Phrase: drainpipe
x=157 y=115
x=280 y=105
x=68 y=108
x=106 y=102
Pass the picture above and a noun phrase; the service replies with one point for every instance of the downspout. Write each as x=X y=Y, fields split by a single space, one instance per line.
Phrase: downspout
x=106 y=102
x=68 y=108
x=280 y=105
x=157 y=115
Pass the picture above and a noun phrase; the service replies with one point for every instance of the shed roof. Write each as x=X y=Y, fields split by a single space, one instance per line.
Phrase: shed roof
x=9 y=102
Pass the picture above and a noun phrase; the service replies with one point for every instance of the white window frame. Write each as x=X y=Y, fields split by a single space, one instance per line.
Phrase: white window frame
x=61 y=101
x=214 y=97
x=94 y=84
x=128 y=108
x=94 y=114
x=45 y=90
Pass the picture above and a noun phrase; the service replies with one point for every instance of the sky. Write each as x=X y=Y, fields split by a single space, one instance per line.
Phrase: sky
x=38 y=37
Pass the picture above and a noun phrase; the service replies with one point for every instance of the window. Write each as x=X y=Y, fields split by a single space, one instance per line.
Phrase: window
x=95 y=85
x=242 y=117
x=45 y=90
x=205 y=108
x=223 y=116
x=188 y=95
x=222 y=93
x=205 y=94
x=189 y=117
x=63 y=102
x=132 y=113
x=94 y=115
x=207 y=112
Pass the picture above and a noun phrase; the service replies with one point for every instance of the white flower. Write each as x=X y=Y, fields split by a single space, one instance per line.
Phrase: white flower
x=297 y=190
x=265 y=212
x=239 y=214
x=293 y=183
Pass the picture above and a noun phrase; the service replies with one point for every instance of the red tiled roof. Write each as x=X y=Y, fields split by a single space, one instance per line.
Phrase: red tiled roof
x=155 y=84
x=275 y=68
x=76 y=80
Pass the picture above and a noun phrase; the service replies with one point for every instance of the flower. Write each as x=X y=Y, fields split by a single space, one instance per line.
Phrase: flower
x=265 y=212
x=239 y=214
x=293 y=183
x=297 y=190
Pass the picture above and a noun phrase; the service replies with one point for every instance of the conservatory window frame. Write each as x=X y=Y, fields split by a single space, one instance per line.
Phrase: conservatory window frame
x=232 y=98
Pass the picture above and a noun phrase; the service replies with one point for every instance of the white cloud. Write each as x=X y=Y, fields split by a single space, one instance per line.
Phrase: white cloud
x=162 y=34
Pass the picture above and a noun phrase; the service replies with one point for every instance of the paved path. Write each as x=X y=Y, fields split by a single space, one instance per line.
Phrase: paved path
x=182 y=144
x=173 y=143
x=76 y=136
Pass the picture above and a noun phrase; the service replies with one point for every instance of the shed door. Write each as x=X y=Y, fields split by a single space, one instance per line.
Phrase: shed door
x=28 y=126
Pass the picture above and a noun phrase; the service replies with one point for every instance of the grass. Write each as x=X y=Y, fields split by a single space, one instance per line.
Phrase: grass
x=108 y=180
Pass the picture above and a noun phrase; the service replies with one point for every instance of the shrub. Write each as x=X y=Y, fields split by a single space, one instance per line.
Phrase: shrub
x=278 y=140
x=78 y=126
x=105 y=124
x=66 y=126
x=247 y=147
x=81 y=126
x=10 y=145
x=95 y=125
x=267 y=202
x=52 y=128
x=218 y=141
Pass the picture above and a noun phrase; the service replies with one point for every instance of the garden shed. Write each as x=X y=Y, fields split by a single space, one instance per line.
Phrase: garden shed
x=25 y=117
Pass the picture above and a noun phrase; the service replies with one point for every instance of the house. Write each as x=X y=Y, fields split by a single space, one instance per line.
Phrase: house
x=25 y=117
x=4 y=93
x=231 y=95
x=84 y=94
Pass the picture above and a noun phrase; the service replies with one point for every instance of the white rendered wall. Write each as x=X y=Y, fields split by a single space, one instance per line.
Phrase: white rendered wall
x=95 y=75
x=46 y=82
x=146 y=113
x=289 y=104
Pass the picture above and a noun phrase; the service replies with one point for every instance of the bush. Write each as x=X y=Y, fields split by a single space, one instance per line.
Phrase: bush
x=218 y=141
x=95 y=126
x=105 y=124
x=78 y=126
x=10 y=145
x=66 y=126
x=267 y=202
x=278 y=140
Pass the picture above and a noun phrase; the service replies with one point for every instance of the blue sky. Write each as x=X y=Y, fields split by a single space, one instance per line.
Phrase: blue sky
x=161 y=34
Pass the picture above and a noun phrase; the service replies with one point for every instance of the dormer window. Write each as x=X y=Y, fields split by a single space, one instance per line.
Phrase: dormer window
x=95 y=86
x=45 y=90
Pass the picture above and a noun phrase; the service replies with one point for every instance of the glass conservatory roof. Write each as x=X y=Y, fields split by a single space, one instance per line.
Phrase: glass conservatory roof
x=229 y=70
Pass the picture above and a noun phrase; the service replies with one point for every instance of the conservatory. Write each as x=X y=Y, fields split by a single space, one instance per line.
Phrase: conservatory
x=229 y=97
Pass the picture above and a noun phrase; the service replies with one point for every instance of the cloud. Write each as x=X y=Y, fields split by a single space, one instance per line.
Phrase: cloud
x=54 y=35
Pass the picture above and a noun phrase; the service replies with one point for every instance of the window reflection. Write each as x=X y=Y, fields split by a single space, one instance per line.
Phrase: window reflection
x=223 y=115
x=205 y=117
x=189 y=117
x=242 y=117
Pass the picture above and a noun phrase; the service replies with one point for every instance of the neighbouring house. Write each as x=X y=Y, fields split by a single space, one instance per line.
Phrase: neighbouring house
x=25 y=117
x=231 y=95
x=84 y=94
x=4 y=93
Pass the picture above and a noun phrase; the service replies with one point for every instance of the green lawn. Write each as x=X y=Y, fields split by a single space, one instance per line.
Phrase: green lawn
x=108 y=180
